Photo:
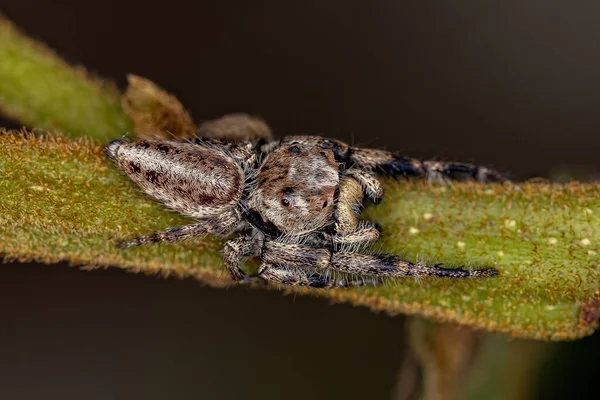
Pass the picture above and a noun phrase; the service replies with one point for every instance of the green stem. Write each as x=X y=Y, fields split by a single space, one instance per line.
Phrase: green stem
x=42 y=91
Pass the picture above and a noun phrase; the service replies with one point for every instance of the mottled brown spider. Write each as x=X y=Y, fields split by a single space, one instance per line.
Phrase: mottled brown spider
x=297 y=202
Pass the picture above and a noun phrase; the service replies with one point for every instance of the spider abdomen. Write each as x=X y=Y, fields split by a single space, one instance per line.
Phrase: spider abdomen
x=194 y=180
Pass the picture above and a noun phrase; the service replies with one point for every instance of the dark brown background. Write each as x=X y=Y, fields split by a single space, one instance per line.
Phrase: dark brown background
x=511 y=84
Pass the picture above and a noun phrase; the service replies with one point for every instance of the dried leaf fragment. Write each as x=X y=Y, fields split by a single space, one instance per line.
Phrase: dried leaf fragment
x=154 y=112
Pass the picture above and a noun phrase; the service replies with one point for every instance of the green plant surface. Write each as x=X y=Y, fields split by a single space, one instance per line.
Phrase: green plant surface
x=62 y=200
x=41 y=90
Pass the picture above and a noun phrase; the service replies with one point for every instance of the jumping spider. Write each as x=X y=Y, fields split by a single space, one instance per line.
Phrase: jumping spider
x=297 y=202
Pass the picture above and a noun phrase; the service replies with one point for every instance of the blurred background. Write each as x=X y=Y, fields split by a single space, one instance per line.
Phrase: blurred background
x=510 y=84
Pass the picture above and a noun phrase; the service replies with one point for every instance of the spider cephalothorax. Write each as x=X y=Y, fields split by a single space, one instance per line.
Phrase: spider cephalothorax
x=297 y=187
x=297 y=202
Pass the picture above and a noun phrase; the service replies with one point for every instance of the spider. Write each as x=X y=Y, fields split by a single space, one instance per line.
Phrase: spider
x=296 y=201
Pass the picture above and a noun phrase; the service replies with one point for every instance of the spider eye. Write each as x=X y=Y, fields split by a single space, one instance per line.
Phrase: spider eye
x=294 y=149
x=285 y=202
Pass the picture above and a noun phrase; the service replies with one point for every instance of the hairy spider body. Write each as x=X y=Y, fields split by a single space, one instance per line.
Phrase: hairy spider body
x=297 y=202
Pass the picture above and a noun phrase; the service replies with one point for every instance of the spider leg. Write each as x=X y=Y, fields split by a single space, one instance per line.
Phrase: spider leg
x=222 y=227
x=233 y=252
x=349 y=206
x=395 y=165
x=377 y=265
x=395 y=267
x=349 y=230
x=298 y=277
x=367 y=232
x=450 y=169
x=370 y=185
x=384 y=161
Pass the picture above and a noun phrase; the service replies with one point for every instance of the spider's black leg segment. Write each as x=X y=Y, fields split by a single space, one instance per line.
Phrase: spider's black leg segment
x=298 y=277
x=386 y=162
x=234 y=250
x=451 y=170
x=221 y=227
x=377 y=265
x=395 y=165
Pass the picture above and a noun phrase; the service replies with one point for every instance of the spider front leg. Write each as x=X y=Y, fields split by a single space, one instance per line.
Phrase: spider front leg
x=441 y=170
x=348 y=229
x=373 y=265
x=395 y=165
x=387 y=266
x=297 y=277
